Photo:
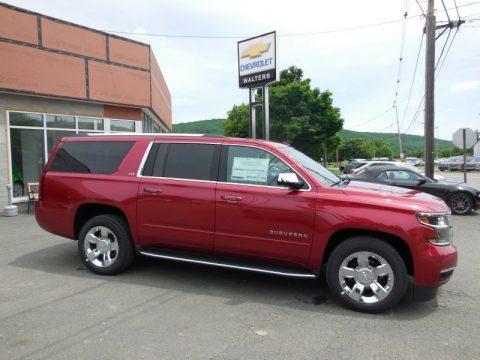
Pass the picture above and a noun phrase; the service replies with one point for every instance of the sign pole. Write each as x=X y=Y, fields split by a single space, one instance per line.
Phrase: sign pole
x=251 y=115
x=266 y=114
x=464 y=155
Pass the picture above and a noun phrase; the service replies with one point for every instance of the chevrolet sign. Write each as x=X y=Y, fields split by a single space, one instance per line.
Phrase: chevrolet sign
x=257 y=60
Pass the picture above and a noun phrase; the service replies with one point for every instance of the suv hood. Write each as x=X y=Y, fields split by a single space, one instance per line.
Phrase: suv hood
x=394 y=197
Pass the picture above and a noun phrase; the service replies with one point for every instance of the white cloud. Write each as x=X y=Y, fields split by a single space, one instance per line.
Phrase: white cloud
x=465 y=86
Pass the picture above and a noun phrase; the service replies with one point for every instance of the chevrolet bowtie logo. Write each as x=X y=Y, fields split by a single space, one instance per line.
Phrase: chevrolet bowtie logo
x=255 y=50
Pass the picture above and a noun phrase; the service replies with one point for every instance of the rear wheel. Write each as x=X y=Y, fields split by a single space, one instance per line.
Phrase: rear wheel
x=366 y=274
x=105 y=245
x=460 y=203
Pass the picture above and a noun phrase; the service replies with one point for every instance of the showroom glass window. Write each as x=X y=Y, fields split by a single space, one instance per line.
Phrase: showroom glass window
x=33 y=136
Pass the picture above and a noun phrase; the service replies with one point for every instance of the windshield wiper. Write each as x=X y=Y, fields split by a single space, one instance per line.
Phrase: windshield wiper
x=316 y=172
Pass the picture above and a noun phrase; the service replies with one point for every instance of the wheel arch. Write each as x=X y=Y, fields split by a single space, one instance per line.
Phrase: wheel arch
x=398 y=244
x=87 y=211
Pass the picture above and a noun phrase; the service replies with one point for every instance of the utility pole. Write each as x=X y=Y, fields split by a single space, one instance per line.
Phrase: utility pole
x=429 y=88
x=430 y=32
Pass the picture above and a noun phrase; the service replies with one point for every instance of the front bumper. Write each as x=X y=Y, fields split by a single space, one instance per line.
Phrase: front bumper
x=434 y=265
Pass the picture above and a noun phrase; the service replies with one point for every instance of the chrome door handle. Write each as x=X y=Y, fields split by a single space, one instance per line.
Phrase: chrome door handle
x=232 y=198
x=152 y=190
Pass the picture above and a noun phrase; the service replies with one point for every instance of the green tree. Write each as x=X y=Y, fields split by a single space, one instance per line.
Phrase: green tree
x=236 y=124
x=384 y=150
x=300 y=115
x=356 y=148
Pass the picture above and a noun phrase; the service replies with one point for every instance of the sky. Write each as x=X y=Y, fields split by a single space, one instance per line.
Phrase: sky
x=359 y=66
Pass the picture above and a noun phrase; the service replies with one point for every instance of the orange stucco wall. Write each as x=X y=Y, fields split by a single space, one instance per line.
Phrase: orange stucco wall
x=129 y=53
x=51 y=57
x=121 y=112
x=34 y=70
x=18 y=26
x=59 y=36
x=110 y=83
x=161 y=98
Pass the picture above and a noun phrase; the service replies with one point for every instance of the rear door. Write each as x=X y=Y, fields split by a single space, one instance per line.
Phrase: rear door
x=176 y=196
x=257 y=218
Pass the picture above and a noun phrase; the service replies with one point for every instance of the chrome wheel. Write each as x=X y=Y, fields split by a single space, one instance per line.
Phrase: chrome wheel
x=101 y=246
x=460 y=204
x=366 y=277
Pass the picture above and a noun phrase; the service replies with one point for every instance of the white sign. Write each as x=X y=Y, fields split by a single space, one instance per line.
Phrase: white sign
x=250 y=169
x=257 y=60
x=470 y=138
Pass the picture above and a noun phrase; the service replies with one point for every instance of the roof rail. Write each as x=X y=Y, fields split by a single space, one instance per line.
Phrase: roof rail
x=142 y=134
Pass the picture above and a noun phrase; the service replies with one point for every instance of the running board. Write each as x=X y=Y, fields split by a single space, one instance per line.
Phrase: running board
x=225 y=262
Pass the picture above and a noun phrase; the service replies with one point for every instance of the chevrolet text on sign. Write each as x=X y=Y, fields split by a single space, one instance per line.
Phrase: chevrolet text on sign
x=257 y=60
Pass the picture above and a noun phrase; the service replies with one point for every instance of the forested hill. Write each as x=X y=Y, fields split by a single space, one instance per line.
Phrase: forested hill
x=411 y=143
x=213 y=126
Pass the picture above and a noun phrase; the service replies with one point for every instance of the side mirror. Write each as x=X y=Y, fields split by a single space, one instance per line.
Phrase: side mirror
x=421 y=181
x=289 y=179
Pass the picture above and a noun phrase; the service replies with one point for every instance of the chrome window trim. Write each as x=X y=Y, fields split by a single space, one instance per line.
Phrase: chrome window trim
x=147 y=151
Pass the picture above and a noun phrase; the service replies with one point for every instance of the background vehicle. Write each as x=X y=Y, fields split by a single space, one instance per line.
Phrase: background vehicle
x=443 y=164
x=473 y=164
x=457 y=164
x=243 y=204
x=414 y=161
x=351 y=165
x=461 y=198
x=394 y=163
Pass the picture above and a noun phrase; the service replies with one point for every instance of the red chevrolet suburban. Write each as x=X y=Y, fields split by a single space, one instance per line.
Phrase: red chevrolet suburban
x=244 y=204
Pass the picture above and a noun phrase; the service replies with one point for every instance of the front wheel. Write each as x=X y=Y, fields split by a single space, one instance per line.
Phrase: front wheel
x=366 y=274
x=460 y=203
x=105 y=245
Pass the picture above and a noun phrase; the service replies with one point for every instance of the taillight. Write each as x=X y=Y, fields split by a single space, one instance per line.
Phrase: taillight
x=352 y=171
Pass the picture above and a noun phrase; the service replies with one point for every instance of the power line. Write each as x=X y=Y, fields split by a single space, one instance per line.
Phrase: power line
x=363 y=122
x=446 y=12
x=281 y=35
x=420 y=6
x=400 y=59
x=443 y=49
x=413 y=79
x=415 y=116
x=446 y=54
x=456 y=8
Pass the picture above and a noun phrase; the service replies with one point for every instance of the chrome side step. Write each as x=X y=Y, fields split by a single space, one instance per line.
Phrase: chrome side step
x=221 y=262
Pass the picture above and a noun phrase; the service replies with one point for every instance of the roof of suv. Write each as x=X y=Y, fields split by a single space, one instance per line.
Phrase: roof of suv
x=216 y=137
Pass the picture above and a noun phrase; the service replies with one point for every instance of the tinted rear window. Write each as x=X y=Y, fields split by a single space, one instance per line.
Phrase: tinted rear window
x=183 y=161
x=96 y=157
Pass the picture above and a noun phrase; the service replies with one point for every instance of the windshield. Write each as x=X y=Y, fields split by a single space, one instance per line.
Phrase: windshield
x=314 y=168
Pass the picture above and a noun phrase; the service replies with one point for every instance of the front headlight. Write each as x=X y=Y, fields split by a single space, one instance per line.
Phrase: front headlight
x=440 y=222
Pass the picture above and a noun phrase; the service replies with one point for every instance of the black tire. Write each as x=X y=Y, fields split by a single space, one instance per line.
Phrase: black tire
x=393 y=285
x=460 y=203
x=113 y=245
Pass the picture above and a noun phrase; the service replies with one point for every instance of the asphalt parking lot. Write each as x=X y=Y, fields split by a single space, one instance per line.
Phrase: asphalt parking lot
x=52 y=307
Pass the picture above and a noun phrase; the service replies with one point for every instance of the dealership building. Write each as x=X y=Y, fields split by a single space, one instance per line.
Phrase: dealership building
x=59 y=79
